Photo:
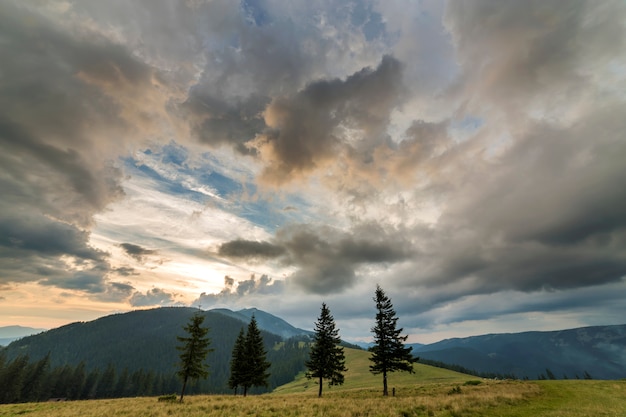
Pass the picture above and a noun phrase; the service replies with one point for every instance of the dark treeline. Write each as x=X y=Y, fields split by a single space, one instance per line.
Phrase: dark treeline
x=494 y=375
x=464 y=370
x=22 y=380
x=25 y=380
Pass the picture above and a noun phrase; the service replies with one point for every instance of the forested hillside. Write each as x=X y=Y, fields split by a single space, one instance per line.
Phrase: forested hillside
x=143 y=343
x=596 y=352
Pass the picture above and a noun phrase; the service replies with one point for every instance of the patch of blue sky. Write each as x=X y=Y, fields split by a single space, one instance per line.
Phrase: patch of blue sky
x=204 y=180
x=273 y=211
x=463 y=129
x=165 y=183
x=369 y=20
x=174 y=153
x=255 y=13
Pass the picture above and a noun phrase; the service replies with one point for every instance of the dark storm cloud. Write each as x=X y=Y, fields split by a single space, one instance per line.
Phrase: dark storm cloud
x=56 y=172
x=51 y=117
x=515 y=52
x=37 y=234
x=545 y=215
x=302 y=134
x=549 y=215
x=326 y=259
x=250 y=249
x=215 y=121
x=536 y=202
x=264 y=52
x=125 y=271
x=36 y=248
x=136 y=251
x=92 y=282
x=567 y=184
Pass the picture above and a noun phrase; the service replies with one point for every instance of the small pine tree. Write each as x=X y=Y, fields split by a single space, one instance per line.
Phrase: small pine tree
x=326 y=360
x=388 y=353
x=255 y=365
x=194 y=349
x=237 y=362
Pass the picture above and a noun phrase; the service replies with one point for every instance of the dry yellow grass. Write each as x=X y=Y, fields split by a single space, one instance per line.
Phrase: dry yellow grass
x=425 y=400
x=490 y=398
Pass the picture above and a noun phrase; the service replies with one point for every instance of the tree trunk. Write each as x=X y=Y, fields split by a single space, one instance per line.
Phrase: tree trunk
x=319 y=394
x=245 y=390
x=182 y=391
x=385 y=392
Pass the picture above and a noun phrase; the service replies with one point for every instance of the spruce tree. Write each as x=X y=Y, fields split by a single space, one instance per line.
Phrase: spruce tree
x=194 y=349
x=33 y=386
x=255 y=365
x=326 y=360
x=388 y=352
x=237 y=362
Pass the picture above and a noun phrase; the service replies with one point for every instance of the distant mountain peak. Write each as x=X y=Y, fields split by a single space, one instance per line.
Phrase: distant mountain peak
x=266 y=321
x=10 y=333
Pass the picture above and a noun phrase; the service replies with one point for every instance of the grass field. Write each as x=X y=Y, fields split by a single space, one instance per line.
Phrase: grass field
x=428 y=392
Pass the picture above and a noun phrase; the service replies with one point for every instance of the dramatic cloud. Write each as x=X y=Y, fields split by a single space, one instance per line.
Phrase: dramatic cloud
x=250 y=249
x=326 y=258
x=305 y=132
x=136 y=251
x=234 y=292
x=152 y=297
x=54 y=130
x=457 y=153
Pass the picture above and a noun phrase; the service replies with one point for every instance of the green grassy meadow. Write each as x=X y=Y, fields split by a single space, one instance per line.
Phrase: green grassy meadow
x=428 y=392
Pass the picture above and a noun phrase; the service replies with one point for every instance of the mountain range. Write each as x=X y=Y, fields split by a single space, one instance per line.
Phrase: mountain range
x=146 y=339
x=598 y=352
x=10 y=333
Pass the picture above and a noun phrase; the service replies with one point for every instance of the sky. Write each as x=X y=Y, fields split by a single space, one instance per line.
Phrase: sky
x=467 y=156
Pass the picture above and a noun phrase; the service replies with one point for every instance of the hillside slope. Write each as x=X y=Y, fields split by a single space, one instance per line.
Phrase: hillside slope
x=599 y=351
x=265 y=321
x=358 y=376
x=146 y=340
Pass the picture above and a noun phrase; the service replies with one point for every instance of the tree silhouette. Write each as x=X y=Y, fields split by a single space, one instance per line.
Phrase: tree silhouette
x=194 y=349
x=238 y=362
x=388 y=352
x=255 y=364
x=326 y=360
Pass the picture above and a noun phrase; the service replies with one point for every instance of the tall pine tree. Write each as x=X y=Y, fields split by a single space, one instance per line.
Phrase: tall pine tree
x=194 y=349
x=388 y=352
x=237 y=362
x=326 y=360
x=255 y=363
